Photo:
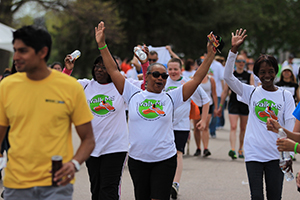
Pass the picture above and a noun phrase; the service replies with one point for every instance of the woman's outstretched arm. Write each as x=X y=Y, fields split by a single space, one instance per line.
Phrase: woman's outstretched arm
x=111 y=66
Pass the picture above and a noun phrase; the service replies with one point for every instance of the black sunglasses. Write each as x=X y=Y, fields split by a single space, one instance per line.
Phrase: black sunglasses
x=152 y=60
x=156 y=74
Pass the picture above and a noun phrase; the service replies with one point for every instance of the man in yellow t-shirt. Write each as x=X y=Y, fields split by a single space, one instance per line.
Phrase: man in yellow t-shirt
x=39 y=104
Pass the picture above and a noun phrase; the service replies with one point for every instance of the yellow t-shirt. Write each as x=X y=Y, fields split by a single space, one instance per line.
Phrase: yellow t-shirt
x=40 y=114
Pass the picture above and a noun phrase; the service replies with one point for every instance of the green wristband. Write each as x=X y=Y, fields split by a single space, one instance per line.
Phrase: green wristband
x=295 y=148
x=220 y=105
x=100 y=48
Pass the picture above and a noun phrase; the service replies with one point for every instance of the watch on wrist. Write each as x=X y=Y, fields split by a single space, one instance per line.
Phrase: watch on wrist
x=76 y=164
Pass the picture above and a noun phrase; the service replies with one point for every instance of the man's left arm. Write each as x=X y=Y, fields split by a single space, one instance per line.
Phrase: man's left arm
x=85 y=133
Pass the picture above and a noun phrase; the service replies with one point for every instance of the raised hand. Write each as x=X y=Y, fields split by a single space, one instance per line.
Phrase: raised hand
x=237 y=39
x=211 y=49
x=68 y=63
x=100 y=35
x=145 y=49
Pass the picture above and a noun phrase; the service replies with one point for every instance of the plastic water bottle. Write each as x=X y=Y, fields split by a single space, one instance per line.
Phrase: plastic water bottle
x=284 y=157
x=76 y=54
x=138 y=51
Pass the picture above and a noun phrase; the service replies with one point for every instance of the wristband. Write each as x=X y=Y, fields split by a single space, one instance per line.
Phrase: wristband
x=100 y=48
x=220 y=105
x=295 y=148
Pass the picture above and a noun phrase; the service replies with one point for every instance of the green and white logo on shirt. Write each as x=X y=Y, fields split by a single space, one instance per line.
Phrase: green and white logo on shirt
x=151 y=109
x=171 y=88
x=101 y=105
x=265 y=109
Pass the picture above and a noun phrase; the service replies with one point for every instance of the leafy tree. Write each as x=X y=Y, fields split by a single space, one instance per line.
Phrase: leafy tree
x=74 y=29
x=9 y=7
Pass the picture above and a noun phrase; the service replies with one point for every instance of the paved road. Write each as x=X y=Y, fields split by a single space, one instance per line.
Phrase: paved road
x=213 y=178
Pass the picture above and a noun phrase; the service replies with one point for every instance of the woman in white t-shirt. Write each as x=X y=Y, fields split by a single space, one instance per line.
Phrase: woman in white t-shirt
x=106 y=163
x=265 y=101
x=181 y=121
x=152 y=151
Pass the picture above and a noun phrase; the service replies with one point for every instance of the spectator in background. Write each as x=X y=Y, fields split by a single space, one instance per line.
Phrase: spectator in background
x=245 y=54
x=250 y=65
x=288 y=82
x=220 y=59
x=189 y=68
x=57 y=65
x=238 y=111
x=181 y=121
x=125 y=66
x=221 y=118
x=216 y=70
x=290 y=62
x=153 y=57
x=119 y=61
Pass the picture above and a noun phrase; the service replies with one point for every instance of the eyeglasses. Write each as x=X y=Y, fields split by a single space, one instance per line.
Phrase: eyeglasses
x=100 y=67
x=250 y=63
x=238 y=61
x=152 y=60
x=156 y=74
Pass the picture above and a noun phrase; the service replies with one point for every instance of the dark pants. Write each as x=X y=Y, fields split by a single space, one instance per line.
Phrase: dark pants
x=105 y=174
x=273 y=178
x=152 y=180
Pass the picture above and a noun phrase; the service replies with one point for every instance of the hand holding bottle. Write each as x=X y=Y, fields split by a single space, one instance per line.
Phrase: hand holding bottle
x=141 y=53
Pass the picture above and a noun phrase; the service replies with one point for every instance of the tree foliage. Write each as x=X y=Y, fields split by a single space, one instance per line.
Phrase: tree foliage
x=272 y=26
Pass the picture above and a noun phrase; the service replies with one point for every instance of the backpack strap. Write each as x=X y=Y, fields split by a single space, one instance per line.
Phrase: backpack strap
x=251 y=94
x=173 y=106
x=85 y=86
x=283 y=97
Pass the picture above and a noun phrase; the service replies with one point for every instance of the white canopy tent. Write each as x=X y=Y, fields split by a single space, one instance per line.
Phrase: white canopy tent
x=6 y=37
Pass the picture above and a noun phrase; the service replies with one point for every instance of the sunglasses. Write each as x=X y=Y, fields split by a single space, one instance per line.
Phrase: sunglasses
x=152 y=60
x=156 y=74
x=250 y=63
x=239 y=61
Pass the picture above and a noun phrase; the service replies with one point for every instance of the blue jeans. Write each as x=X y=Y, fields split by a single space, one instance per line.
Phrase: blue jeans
x=273 y=178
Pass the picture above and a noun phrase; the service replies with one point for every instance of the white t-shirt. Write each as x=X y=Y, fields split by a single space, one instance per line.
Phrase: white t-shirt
x=163 y=54
x=188 y=74
x=259 y=143
x=217 y=70
x=151 y=136
x=181 y=117
x=207 y=88
x=109 y=123
x=132 y=73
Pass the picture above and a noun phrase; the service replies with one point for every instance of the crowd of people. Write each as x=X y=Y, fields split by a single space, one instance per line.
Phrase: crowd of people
x=139 y=112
